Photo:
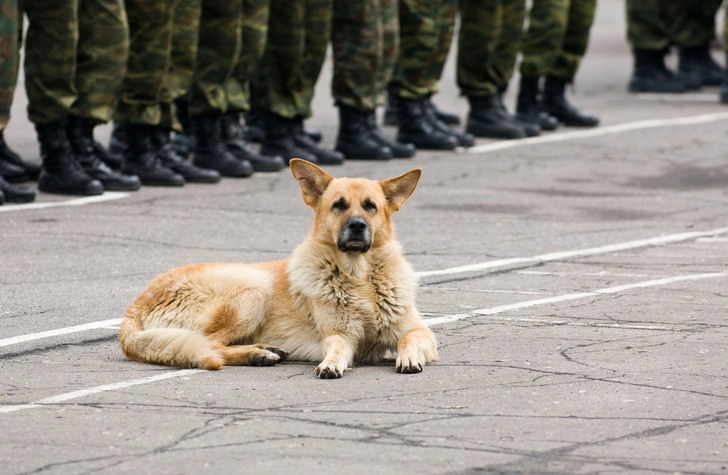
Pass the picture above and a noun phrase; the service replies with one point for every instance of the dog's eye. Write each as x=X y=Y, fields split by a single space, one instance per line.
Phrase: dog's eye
x=369 y=205
x=340 y=205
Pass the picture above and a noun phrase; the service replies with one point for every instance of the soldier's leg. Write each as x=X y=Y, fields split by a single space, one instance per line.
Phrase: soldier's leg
x=563 y=70
x=103 y=48
x=415 y=76
x=220 y=44
x=693 y=32
x=12 y=168
x=480 y=32
x=50 y=72
x=724 y=85
x=509 y=42
x=649 y=35
x=365 y=41
x=254 y=28
x=139 y=110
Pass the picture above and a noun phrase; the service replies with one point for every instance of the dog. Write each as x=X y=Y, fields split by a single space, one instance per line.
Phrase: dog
x=345 y=296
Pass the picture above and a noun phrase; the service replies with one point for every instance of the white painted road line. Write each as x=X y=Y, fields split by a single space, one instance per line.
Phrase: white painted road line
x=107 y=196
x=599 y=131
x=489 y=265
x=429 y=322
x=557 y=256
x=98 y=389
x=60 y=331
x=575 y=296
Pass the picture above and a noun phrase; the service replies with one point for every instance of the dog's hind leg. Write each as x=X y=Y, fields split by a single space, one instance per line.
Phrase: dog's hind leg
x=252 y=355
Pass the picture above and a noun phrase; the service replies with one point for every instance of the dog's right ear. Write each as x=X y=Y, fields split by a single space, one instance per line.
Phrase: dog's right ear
x=312 y=179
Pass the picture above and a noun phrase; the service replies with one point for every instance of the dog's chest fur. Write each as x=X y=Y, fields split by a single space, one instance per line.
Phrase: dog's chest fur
x=361 y=295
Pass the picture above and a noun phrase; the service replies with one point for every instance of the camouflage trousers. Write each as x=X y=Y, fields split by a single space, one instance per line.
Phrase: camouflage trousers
x=9 y=56
x=655 y=24
x=183 y=54
x=557 y=37
x=425 y=31
x=365 y=39
x=220 y=46
x=488 y=44
x=254 y=23
x=298 y=37
x=75 y=58
x=150 y=28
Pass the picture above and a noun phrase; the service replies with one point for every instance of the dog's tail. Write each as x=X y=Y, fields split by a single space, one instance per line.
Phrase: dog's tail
x=168 y=346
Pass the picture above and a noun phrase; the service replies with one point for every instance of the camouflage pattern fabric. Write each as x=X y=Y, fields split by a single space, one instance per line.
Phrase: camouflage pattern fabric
x=488 y=44
x=425 y=31
x=75 y=58
x=254 y=33
x=176 y=83
x=557 y=37
x=9 y=56
x=150 y=29
x=218 y=50
x=655 y=24
x=298 y=36
x=365 y=39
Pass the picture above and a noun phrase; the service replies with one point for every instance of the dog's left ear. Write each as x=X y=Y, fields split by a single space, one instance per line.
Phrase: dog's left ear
x=398 y=189
x=312 y=179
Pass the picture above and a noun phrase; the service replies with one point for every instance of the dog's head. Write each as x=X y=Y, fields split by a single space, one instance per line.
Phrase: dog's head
x=352 y=213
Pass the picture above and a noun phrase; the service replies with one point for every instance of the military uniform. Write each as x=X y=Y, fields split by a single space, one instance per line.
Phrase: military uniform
x=655 y=25
x=365 y=39
x=426 y=31
x=488 y=44
x=557 y=37
x=9 y=56
x=75 y=58
x=298 y=37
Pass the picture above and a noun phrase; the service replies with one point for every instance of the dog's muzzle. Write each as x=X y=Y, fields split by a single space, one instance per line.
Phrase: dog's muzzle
x=355 y=235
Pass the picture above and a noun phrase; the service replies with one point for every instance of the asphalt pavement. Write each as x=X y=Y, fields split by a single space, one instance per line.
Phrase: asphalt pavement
x=577 y=284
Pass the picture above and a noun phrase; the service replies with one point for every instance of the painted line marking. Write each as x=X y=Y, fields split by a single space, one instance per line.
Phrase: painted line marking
x=680 y=97
x=429 y=322
x=599 y=131
x=98 y=389
x=483 y=266
x=86 y=200
x=573 y=296
x=556 y=256
x=60 y=331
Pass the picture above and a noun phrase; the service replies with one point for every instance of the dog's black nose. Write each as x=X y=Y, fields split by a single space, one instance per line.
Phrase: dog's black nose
x=357 y=225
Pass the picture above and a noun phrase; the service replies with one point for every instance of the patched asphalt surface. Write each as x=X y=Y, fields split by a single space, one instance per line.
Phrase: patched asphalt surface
x=609 y=362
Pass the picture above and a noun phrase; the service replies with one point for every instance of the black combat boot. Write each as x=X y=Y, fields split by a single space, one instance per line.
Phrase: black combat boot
x=487 y=119
x=555 y=103
x=8 y=156
x=183 y=142
x=434 y=116
x=211 y=151
x=117 y=147
x=168 y=157
x=80 y=135
x=529 y=108
x=278 y=139
x=232 y=134
x=254 y=129
x=60 y=173
x=698 y=65
x=390 y=112
x=399 y=149
x=302 y=140
x=531 y=129
x=140 y=158
x=651 y=75
x=13 y=173
x=355 y=140
x=16 y=193
x=416 y=127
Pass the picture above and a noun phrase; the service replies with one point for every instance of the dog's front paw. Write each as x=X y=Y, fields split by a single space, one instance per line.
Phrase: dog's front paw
x=407 y=364
x=329 y=370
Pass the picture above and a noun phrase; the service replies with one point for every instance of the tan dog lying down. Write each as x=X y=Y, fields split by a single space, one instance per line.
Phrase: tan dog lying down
x=346 y=295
